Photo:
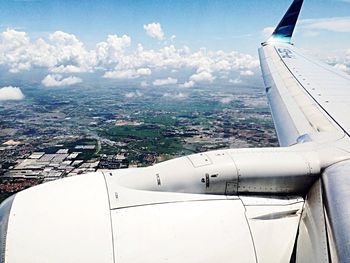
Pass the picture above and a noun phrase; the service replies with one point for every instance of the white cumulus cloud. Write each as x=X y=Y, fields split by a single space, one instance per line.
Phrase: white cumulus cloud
x=246 y=73
x=128 y=73
x=61 y=53
x=267 y=31
x=342 y=67
x=154 y=30
x=188 y=84
x=11 y=93
x=144 y=71
x=163 y=82
x=202 y=77
x=57 y=80
x=340 y=61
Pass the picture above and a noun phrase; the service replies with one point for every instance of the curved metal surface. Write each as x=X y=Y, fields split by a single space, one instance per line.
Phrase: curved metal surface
x=336 y=184
x=5 y=209
x=288 y=170
x=312 y=246
x=66 y=221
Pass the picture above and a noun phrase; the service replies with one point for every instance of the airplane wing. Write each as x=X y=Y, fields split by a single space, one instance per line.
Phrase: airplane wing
x=307 y=97
x=310 y=101
x=284 y=204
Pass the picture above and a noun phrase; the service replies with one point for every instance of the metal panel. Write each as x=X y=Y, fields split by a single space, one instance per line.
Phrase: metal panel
x=336 y=183
x=181 y=175
x=63 y=221
x=189 y=232
x=300 y=96
x=312 y=239
x=200 y=159
x=274 y=170
x=5 y=209
x=264 y=170
x=122 y=197
x=286 y=129
x=272 y=220
x=327 y=86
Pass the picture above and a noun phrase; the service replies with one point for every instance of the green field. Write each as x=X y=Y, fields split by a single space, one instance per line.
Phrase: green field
x=142 y=140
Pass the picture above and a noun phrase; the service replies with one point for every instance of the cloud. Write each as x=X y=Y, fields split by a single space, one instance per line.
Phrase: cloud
x=188 y=84
x=312 y=27
x=340 y=60
x=62 y=53
x=267 y=31
x=203 y=76
x=11 y=93
x=144 y=71
x=164 y=82
x=144 y=84
x=342 y=67
x=57 y=80
x=135 y=94
x=128 y=73
x=310 y=33
x=154 y=30
x=235 y=81
x=175 y=96
x=246 y=73
x=108 y=53
x=335 y=24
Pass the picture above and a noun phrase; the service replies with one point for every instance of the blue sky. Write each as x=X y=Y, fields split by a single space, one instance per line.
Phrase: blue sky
x=159 y=42
x=215 y=24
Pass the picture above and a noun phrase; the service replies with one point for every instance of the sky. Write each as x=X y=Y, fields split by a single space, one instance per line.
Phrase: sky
x=159 y=42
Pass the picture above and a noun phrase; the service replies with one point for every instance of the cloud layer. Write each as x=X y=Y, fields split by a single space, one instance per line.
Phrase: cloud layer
x=335 y=24
x=312 y=27
x=11 y=93
x=62 y=54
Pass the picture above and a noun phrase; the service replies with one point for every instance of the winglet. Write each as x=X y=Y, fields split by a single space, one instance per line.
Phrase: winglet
x=284 y=30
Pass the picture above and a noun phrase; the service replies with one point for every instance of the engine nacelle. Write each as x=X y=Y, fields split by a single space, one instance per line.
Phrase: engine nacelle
x=228 y=172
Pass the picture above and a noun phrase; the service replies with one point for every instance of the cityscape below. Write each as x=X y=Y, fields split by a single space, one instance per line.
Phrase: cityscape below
x=57 y=133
